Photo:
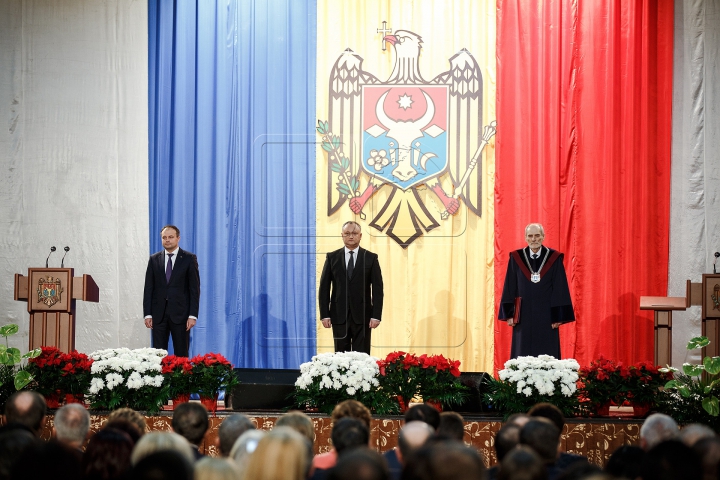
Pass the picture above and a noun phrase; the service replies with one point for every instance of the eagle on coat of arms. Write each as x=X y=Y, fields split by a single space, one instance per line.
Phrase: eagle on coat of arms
x=405 y=133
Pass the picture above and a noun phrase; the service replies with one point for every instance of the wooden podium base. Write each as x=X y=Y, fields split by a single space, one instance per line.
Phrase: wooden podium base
x=52 y=328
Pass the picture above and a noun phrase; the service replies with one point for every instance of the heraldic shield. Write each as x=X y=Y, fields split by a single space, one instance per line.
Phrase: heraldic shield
x=405 y=138
x=49 y=290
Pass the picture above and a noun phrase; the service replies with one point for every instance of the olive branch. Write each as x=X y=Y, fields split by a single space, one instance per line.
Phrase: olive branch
x=349 y=184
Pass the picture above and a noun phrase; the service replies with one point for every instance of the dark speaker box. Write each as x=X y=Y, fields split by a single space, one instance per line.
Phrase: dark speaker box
x=263 y=389
x=476 y=382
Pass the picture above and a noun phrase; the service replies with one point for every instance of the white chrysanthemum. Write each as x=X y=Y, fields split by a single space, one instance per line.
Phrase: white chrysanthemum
x=113 y=379
x=96 y=384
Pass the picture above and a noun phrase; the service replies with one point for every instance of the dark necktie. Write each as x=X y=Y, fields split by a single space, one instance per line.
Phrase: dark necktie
x=351 y=265
x=168 y=269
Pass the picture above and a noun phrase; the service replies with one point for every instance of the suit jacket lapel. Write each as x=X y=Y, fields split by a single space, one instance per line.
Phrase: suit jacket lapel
x=176 y=264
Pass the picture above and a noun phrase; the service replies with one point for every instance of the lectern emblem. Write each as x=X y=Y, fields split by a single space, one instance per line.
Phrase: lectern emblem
x=49 y=290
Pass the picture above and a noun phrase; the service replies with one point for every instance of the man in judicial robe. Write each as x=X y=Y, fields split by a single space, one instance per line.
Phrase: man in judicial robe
x=536 y=285
x=350 y=295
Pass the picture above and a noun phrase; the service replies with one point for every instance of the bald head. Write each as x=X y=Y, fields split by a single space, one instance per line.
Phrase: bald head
x=72 y=423
x=413 y=435
x=28 y=409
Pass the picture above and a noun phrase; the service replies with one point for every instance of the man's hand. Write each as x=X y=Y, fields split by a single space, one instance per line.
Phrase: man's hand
x=148 y=322
x=326 y=322
x=190 y=323
x=374 y=323
x=510 y=322
x=556 y=325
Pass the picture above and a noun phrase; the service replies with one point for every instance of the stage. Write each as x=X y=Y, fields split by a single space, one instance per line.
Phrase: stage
x=594 y=438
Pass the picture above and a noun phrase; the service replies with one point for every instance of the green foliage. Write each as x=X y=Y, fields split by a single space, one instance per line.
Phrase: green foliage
x=689 y=401
x=11 y=358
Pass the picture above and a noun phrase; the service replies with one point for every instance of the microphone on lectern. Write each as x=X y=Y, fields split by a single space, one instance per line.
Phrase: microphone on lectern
x=52 y=249
x=62 y=262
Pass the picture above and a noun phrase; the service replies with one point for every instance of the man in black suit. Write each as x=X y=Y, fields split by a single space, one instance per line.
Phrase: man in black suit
x=172 y=293
x=351 y=292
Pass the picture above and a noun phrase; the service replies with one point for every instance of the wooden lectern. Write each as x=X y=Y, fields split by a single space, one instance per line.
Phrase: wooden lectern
x=50 y=294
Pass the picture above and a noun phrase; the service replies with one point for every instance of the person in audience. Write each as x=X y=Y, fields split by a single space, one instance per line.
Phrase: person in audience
x=361 y=463
x=347 y=408
x=522 y=463
x=107 y=456
x=47 y=460
x=282 y=454
x=555 y=415
x=448 y=460
x=583 y=470
x=160 y=441
x=26 y=408
x=191 y=421
x=244 y=446
x=671 y=459
x=349 y=433
x=210 y=468
x=624 y=463
x=452 y=426
x=657 y=428
x=230 y=430
x=519 y=419
x=131 y=416
x=694 y=432
x=125 y=426
x=412 y=436
x=13 y=444
x=72 y=424
x=164 y=465
x=299 y=422
x=708 y=449
x=507 y=438
x=543 y=437
x=422 y=413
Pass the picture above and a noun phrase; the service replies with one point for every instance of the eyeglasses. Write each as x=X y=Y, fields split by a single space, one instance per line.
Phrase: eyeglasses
x=354 y=234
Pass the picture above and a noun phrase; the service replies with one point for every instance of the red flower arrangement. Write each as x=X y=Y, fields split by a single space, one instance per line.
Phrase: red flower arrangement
x=605 y=382
x=56 y=372
x=178 y=374
x=433 y=377
x=211 y=373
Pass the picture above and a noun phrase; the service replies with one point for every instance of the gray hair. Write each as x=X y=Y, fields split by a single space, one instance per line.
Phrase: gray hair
x=657 y=428
x=542 y=230
x=230 y=430
x=72 y=423
x=351 y=222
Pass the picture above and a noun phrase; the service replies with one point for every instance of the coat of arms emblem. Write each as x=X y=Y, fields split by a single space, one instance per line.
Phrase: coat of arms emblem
x=49 y=290
x=405 y=134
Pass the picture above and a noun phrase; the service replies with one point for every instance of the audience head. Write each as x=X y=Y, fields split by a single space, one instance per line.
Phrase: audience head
x=708 y=449
x=107 y=455
x=131 y=416
x=657 y=428
x=72 y=424
x=210 y=468
x=299 y=422
x=519 y=419
x=361 y=463
x=452 y=426
x=125 y=426
x=522 y=463
x=625 y=462
x=694 y=432
x=354 y=409
x=670 y=460
x=244 y=446
x=348 y=433
x=163 y=465
x=444 y=461
x=507 y=438
x=230 y=430
x=543 y=437
x=13 y=444
x=412 y=436
x=423 y=413
x=282 y=454
x=549 y=411
x=191 y=421
x=26 y=408
x=160 y=441
x=583 y=470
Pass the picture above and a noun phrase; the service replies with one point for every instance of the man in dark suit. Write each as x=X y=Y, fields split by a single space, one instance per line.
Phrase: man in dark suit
x=351 y=292
x=172 y=293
